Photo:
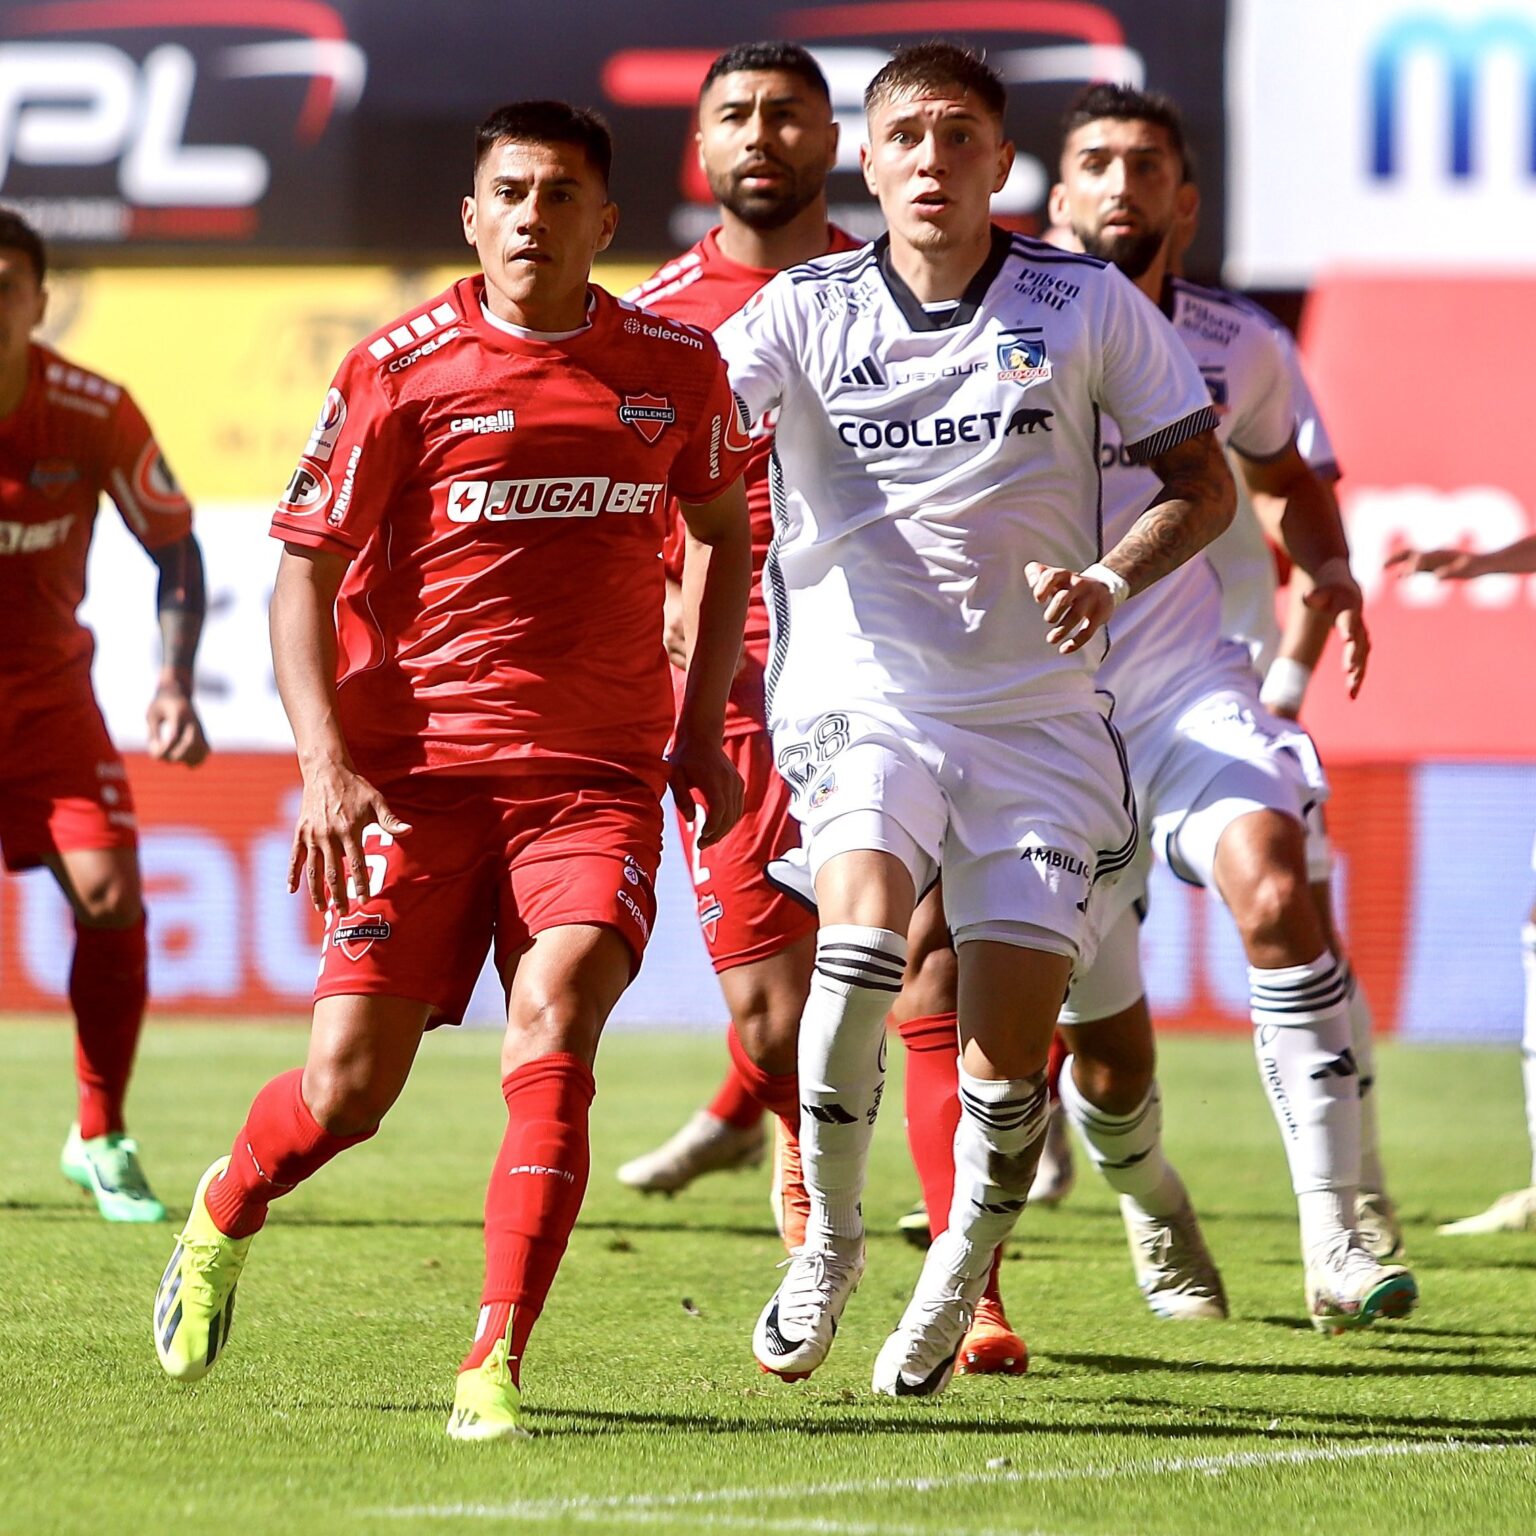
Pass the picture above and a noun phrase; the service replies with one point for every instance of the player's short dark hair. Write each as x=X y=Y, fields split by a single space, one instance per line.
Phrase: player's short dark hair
x=788 y=58
x=926 y=66
x=18 y=235
x=1125 y=104
x=548 y=122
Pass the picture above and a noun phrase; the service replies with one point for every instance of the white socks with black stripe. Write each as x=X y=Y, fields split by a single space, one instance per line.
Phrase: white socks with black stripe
x=842 y=1069
x=1528 y=1038
x=1306 y=1062
x=1372 y=1175
x=1127 y=1149
x=997 y=1146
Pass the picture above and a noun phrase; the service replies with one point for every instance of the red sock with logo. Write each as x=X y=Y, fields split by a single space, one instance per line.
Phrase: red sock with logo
x=778 y=1092
x=107 y=992
x=734 y=1102
x=278 y=1147
x=535 y=1194
x=933 y=1113
x=1054 y=1062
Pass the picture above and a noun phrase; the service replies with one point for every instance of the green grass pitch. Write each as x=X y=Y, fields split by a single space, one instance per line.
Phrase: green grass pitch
x=326 y=1414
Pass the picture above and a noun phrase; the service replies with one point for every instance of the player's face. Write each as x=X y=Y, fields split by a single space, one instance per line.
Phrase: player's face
x=935 y=161
x=539 y=215
x=22 y=302
x=1122 y=188
x=767 y=143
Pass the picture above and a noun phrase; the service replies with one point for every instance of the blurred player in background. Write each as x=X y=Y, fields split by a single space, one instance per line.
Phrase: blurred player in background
x=471 y=545
x=1516 y=1211
x=767 y=143
x=67 y=436
x=938 y=591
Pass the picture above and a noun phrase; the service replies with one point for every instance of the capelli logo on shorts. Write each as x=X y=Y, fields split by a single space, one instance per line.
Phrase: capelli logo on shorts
x=357 y=934
x=632 y=906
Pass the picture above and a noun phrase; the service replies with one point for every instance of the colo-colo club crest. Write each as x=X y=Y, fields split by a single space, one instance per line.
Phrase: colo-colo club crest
x=649 y=415
x=1022 y=360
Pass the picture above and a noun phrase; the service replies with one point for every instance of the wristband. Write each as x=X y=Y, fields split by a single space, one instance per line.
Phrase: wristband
x=1119 y=587
x=1285 y=684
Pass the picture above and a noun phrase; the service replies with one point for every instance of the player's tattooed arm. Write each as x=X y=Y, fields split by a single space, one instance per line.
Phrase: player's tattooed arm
x=175 y=732
x=1196 y=504
x=338 y=804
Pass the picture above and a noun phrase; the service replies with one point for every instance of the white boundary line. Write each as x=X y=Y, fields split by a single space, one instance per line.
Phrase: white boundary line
x=645 y=1506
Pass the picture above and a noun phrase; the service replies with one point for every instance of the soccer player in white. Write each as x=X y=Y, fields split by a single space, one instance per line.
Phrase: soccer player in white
x=1223 y=785
x=939 y=591
x=1516 y=1211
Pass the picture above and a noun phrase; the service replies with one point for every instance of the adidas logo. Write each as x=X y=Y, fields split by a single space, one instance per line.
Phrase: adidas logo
x=867 y=375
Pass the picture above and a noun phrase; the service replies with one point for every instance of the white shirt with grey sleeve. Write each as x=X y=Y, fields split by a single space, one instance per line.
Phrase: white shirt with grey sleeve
x=923 y=457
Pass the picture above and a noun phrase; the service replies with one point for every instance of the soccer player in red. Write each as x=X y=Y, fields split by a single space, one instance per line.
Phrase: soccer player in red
x=767 y=141
x=67 y=435
x=467 y=634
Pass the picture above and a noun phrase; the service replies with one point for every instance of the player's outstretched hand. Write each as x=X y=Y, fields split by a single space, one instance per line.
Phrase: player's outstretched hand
x=1076 y=606
x=1445 y=564
x=175 y=732
x=1336 y=593
x=704 y=778
x=337 y=808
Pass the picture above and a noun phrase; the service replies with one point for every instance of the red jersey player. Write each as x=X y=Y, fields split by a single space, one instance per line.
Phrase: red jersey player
x=67 y=435
x=767 y=141
x=481 y=724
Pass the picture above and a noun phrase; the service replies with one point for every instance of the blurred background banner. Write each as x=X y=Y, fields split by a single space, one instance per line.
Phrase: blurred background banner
x=236 y=194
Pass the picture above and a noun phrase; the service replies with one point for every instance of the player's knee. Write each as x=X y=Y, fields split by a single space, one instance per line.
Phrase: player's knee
x=344 y=1098
x=1117 y=1081
x=560 y=1019
x=1275 y=913
x=110 y=901
x=931 y=983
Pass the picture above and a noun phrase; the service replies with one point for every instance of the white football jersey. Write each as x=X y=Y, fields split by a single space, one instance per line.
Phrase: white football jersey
x=1242 y=557
x=923 y=456
x=1172 y=632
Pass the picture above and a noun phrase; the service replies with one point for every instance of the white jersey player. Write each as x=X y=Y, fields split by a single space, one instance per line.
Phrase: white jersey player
x=1223 y=785
x=939 y=587
x=1516 y=1211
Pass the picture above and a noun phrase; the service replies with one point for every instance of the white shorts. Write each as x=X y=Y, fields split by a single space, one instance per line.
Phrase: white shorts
x=1216 y=756
x=1113 y=982
x=1030 y=822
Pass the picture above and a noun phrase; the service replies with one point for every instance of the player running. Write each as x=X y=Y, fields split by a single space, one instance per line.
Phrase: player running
x=935 y=485
x=1516 y=1211
x=767 y=142
x=466 y=632
x=66 y=436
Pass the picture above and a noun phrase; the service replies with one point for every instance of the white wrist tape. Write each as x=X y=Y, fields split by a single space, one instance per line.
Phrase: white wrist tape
x=1119 y=587
x=1285 y=684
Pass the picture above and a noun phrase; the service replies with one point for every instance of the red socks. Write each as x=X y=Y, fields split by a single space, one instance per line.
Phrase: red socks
x=734 y=1102
x=278 y=1147
x=1054 y=1062
x=535 y=1194
x=775 y=1091
x=106 y=991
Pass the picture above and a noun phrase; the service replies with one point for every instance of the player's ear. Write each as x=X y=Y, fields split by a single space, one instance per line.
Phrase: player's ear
x=1005 y=154
x=1186 y=204
x=1056 y=207
x=610 y=225
x=867 y=167
x=467 y=214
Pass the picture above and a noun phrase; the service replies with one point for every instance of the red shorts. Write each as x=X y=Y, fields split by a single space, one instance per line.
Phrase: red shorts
x=492 y=861
x=62 y=785
x=744 y=918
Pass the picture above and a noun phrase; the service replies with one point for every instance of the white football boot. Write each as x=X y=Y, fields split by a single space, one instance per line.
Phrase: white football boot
x=1056 y=1172
x=706 y=1144
x=1514 y=1212
x=1347 y=1288
x=1174 y=1268
x=795 y=1330
x=918 y=1359
x=1376 y=1222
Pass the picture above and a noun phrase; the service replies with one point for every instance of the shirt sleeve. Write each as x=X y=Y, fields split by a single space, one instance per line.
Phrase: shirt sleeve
x=1264 y=425
x=139 y=481
x=1148 y=381
x=717 y=449
x=354 y=458
x=758 y=346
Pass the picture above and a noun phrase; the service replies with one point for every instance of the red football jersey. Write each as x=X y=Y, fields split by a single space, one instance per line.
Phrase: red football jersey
x=73 y=436
x=704 y=287
x=502 y=500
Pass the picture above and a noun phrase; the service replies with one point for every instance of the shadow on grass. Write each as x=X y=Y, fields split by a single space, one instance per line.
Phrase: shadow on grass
x=1376 y=1366
x=1366 y=1426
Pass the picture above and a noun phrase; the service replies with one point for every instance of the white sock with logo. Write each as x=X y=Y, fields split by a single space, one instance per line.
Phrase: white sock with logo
x=842 y=1069
x=1306 y=1062
x=1127 y=1149
x=1361 y=1024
